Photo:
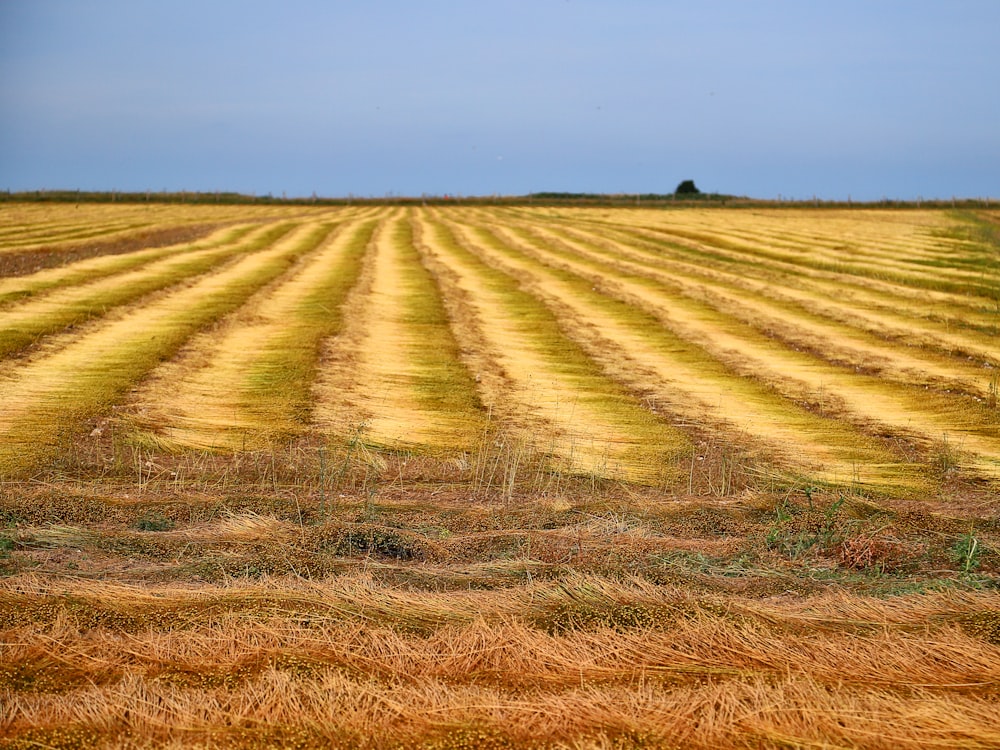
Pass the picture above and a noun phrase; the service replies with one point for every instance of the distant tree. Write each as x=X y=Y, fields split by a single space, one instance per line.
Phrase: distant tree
x=687 y=188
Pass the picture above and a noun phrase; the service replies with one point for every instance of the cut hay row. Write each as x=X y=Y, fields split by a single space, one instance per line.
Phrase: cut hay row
x=329 y=707
x=55 y=396
x=266 y=355
x=780 y=308
x=820 y=309
x=30 y=285
x=929 y=641
x=48 y=227
x=337 y=665
x=686 y=316
x=874 y=403
x=948 y=321
x=853 y=245
x=24 y=324
x=970 y=355
x=394 y=378
x=87 y=229
x=555 y=396
x=34 y=239
x=756 y=262
x=686 y=378
x=39 y=217
x=881 y=246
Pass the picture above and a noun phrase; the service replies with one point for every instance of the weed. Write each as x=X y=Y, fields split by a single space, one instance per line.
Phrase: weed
x=360 y=467
x=504 y=458
x=778 y=531
x=944 y=458
x=967 y=551
x=796 y=531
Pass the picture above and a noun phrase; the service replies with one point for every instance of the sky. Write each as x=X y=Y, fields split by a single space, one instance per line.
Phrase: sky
x=866 y=99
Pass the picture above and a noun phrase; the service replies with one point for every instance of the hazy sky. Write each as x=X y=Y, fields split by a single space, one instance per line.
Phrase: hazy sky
x=867 y=98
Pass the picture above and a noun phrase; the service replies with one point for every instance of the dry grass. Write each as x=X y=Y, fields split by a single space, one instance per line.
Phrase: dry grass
x=466 y=570
x=52 y=396
x=395 y=373
x=166 y=614
x=57 y=300
x=581 y=661
x=266 y=352
x=579 y=416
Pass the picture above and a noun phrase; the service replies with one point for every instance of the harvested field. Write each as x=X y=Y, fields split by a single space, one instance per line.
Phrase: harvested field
x=532 y=477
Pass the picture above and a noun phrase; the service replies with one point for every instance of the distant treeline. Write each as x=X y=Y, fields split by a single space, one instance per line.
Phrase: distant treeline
x=630 y=197
x=541 y=198
x=114 y=196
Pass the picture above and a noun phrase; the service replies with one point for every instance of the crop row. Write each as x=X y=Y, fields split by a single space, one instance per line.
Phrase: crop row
x=854 y=347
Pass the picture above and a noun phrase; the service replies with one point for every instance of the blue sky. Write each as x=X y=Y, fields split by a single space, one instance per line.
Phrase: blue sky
x=860 y=98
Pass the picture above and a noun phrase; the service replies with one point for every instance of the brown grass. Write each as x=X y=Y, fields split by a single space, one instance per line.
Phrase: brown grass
x=323 y=585
x=582 y=661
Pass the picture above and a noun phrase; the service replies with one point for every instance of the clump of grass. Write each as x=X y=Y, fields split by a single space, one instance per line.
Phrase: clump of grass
x=505 y=461
x=944 y=457
x=154 y=522
x=356 y=465
x=7 y=545
x=822 y=530
x=993 y=390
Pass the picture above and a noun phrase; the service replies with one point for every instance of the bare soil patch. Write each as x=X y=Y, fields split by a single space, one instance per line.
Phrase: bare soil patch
x=23 y=262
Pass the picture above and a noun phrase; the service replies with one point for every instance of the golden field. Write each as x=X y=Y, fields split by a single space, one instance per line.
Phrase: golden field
x=547 y=477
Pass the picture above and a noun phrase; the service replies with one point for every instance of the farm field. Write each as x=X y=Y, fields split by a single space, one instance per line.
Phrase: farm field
x=393 y=476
